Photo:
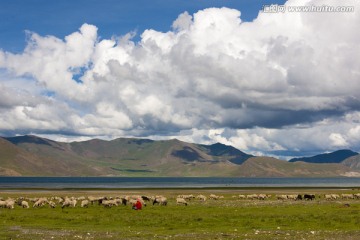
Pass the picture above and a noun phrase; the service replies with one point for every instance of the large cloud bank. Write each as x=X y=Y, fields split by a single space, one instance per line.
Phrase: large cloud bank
x=284 y=82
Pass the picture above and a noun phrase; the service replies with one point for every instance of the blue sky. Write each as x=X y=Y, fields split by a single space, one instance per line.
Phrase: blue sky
x=279 y=84
x=112 y=17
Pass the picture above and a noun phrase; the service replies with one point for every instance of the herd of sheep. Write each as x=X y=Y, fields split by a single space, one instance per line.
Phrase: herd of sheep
x=182 y=199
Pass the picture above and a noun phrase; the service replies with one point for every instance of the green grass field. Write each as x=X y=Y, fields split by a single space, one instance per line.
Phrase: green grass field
x=227 y=218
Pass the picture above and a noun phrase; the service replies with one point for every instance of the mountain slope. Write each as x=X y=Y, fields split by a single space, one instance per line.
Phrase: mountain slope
x=352 y=162
x=133 y=157
x=272 y=167
x=16 y=161
x=34 y=156
x=334 y=157
x=218 y=149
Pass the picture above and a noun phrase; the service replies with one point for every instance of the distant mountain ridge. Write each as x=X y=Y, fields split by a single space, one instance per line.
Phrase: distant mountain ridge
x=35 y=156
x=218 y=149
x=333 y=157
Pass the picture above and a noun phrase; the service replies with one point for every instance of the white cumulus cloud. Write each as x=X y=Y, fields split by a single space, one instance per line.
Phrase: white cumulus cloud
x=274 y=84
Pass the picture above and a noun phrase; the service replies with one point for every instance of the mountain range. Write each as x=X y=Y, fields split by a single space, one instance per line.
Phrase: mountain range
x=35 y=156
x=333 y=157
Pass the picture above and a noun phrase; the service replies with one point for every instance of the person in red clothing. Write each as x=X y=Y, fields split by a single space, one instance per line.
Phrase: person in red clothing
x=137 y=205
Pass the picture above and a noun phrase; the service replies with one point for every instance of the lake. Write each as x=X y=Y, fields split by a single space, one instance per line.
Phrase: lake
x=169 y=182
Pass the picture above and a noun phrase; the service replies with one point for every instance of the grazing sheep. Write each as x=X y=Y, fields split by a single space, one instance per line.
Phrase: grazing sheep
x=2 y=203
x=328 y=197
x=40 y=202
x=213 y=196
x=146 y=198
x=201 y=197
x=281 y=197
x=262 y=196
x=160 y=200
x=186 y=197
x=335 y=196
x=347 y=196
x=242 y=196
x=59 y=199
x=69 y=203
x=292 y=197
x=24 y=204
x=10 y=203
x=85 y=203
x=181 y=201
x=121 y=201
x=52 y=204
x=252 y=196
x=109 y=203
x=309 y=197
x=73 y=202
x=19 y=200
x=93 y=199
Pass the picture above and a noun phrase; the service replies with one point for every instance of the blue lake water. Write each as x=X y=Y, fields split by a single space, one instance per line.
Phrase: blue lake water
x=169 y=182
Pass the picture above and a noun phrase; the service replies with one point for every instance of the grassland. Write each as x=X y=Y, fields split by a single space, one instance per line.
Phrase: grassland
x=227 y=218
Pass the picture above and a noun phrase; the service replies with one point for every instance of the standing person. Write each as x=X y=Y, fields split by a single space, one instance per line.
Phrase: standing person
x=137 y=205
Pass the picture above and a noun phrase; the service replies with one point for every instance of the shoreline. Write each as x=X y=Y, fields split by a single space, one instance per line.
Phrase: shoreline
x=94 y=184
x=189 y=189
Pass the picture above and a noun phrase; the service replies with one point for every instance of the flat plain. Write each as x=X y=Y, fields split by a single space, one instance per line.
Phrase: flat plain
x=229 y=217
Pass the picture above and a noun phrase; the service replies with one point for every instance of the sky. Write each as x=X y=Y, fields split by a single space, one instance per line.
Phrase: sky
x=280 y=81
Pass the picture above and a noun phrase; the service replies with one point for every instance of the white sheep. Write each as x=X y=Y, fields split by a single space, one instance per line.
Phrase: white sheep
x=80 y=198
x=201 y=197
x=331 y=196
x=69 y=203
x=213 y=196
x=60 y=199
x=281 y=197
x=241 y=196
x=93 y=199
x=40 y=202
x=109 y=203
x=347 y=196
x=2 y=203
x=181 y=201
x=85 y=203
x=327 y=197
x=52 y=204
x=292 y=196
x=262 y=196
x=186 y=197
x=335 y=196
x=24 y=204
x=160 y=200
x=10 y=203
